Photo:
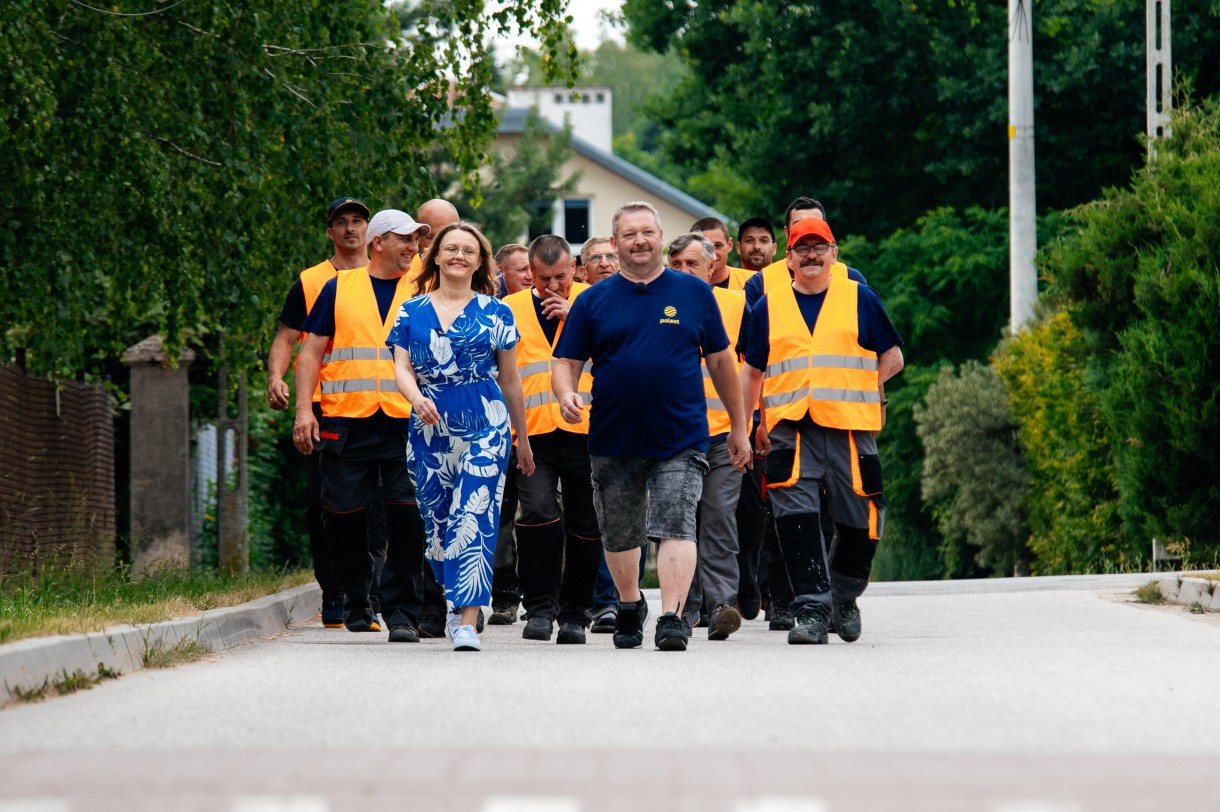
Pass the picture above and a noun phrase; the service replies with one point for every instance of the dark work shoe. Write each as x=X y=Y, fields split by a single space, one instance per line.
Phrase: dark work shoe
x=403 y=634
x=629 y=627
x=671 y=633
x=847 y=621
x=332 y=612
x=480 y=622
x=431 y=626
x=810 y=628
x=363 y=626
x=781 y=620
x=538 y=628
x=503 y=615
x=570 y=633
x=725 y=620
x=605 y=621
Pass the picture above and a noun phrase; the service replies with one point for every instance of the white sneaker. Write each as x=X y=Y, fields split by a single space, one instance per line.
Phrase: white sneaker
x=453 y=621
x=465 y=638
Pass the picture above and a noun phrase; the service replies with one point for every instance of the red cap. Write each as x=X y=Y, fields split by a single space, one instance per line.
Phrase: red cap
x=814 y=226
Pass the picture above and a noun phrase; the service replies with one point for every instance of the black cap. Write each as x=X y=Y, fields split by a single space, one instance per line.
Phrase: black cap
x=346 y=203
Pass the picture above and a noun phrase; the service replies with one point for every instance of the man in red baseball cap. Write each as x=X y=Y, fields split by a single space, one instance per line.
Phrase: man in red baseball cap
x=825 y=346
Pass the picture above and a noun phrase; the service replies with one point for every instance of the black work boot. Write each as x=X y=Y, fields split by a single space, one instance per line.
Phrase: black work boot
x=629 y=629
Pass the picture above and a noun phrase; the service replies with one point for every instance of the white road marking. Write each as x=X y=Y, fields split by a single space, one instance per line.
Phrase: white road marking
x=780 y=804
x=528 y=803
x=279 y=803
x=36 y=805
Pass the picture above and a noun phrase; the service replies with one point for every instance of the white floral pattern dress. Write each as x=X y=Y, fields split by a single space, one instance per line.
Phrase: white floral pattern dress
x=458 y=464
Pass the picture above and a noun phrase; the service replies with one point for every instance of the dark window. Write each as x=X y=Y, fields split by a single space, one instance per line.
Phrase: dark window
x=576 y=221
x=558 y=98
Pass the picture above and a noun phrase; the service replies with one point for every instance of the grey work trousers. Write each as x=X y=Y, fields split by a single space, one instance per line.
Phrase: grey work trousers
x=717 y=575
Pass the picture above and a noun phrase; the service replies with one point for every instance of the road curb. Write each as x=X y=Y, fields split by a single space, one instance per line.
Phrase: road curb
x=28 y=665
x=1187 y=591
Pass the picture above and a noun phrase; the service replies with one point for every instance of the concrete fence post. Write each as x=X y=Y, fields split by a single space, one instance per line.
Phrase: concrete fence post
x=160 y=456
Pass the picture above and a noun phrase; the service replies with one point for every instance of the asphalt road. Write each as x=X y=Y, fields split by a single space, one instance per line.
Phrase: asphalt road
x=1033 y=695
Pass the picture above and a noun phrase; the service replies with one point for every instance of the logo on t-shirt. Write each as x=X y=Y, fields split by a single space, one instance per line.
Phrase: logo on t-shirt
x=671 y=314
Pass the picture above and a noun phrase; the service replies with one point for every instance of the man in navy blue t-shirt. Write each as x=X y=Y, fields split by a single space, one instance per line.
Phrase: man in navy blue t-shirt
x=647 y=329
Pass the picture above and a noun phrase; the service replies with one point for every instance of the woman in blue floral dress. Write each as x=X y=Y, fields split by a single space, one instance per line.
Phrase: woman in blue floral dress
x=455 y=361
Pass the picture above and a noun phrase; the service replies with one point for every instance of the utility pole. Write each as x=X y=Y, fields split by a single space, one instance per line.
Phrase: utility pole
x=1022 y=204
x=1160 y=71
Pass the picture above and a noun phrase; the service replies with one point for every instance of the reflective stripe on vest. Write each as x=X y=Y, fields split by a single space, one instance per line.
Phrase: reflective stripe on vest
x=358 y=376
x=358 y=354
x=535 y=365
x=732 y=306
x=826 y=374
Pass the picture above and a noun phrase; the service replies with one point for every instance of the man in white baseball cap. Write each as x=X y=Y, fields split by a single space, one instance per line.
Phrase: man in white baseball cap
x=362 y=437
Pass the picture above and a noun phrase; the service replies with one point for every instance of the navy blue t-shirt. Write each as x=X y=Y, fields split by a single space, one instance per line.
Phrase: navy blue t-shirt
x=321 y=321
x=877 y=333
x=647 y=343
x=549 y=325
x=754 y=285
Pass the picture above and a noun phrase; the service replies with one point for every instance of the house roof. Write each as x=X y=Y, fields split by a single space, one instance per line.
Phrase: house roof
x=512 y=122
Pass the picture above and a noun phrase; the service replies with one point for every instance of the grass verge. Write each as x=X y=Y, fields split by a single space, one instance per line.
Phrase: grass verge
x=68 y=684
x=76 y=600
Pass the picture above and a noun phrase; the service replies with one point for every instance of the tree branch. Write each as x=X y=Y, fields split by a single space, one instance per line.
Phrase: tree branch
x=180 y=150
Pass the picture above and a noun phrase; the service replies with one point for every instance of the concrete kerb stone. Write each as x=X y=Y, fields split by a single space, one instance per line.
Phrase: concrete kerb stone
x=30 y=664
x=1186 y=591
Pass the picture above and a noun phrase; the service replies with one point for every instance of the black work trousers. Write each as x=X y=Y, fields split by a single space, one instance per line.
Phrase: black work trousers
x=558 y=545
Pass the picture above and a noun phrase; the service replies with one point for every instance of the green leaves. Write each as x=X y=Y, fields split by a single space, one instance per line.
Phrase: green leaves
x=170 y=171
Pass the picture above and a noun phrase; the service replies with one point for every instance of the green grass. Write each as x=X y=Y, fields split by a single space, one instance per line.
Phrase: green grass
x=68 y=684
x=76 y=600
x=1149 y=593
x=184 y=651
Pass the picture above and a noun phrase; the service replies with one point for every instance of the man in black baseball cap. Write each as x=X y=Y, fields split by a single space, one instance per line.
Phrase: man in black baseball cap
x=344 y=204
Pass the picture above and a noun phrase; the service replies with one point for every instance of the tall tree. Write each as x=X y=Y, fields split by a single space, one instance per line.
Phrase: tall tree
x=973 y=472
x=885 y=110
x=165 y=169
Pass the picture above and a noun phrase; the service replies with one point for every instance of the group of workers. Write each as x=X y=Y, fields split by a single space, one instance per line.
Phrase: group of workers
x=511 y=429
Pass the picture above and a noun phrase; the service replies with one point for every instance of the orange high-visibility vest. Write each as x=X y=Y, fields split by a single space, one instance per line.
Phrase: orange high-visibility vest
x=777 y=274
x=826 y=374
x=738 y=277
x=732 y=304
x=535 y=361
x=358 y=369
x=312 y=281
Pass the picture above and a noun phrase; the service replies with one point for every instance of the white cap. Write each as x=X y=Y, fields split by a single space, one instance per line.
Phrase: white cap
x=398 y=222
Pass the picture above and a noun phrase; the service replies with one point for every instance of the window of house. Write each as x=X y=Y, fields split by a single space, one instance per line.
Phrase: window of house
x=576 y=221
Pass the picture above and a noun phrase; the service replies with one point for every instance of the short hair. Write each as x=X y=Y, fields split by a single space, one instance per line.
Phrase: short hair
x=507 y=251
x=711 y=224
x=683 y=242
x=755 y=222
x=803 y=203
x=584 y=249
x=635 y=205
x=484 y=279
x=549 y=249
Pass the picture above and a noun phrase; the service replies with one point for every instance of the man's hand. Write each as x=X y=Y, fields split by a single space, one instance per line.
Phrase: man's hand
x=762 y=441
x=571 y=406
x=555 y=306
x=740 y=456
x=277 y=394
x=305 y=431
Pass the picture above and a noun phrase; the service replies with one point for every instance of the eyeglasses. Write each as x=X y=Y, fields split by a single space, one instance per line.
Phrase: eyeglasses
x=454 y=250
x=596 y=258
x=821 y=249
